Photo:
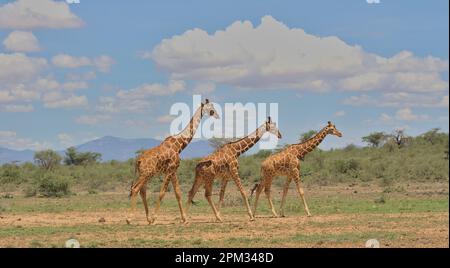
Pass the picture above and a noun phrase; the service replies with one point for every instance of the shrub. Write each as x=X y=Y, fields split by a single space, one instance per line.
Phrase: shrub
x=52 y=186
x=10 y=174
x=347 y=166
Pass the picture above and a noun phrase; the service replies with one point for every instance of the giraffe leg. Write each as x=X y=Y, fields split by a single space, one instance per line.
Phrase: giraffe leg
x=176 y=187
x=268 y=192
x=137 y=186
x=143 y=193
x=302 y=195
x=283 y=198
x=197 y=183
x=208 y=193
x=258 y=192
x=162 y=192
x=237 y=180
x=222 y=192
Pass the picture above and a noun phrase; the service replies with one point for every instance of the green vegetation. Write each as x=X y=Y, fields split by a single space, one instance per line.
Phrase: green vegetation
x=397 y=159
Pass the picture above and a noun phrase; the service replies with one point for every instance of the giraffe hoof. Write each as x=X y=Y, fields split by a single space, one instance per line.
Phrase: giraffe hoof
x=308 y=215
x=128 y=221
x=219 y=220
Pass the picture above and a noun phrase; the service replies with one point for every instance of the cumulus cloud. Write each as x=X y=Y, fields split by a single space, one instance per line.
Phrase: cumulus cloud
x=30 y=14
x=91 y=119
x=399 y=99
x=204 y=88
x=18 y=108
x=339 y=114
x=156 y=89
x=17 y=67
x=57 y=99
x=407 y=114
x=65 y=140
x=103 y=63
x=81 y=77
x=10 y=139
x=272 y=55
x=20 y=41
x=165 y=119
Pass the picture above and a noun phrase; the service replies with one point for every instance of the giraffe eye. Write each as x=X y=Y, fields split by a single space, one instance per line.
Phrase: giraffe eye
x=211 y=113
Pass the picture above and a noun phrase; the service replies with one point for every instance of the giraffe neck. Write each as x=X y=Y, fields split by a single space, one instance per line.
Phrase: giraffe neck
x=244 y=144
x=302 y=149
x=186 y=135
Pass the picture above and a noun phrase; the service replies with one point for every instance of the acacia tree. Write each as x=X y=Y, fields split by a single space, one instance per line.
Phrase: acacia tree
x=375 y=139
x=47 y=159
x=80 y=158
x=307 y=135
x=399 y=137
x=218 y=142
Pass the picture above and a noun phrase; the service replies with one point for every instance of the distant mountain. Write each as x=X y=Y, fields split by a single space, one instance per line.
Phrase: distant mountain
x=112 y=148
x=9 y=156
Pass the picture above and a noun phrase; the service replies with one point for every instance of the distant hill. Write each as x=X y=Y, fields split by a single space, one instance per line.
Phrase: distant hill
x=8 y=155
x=111 y=148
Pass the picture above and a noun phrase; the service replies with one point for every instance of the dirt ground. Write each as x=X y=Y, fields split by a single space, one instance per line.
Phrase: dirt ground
x=416 y=216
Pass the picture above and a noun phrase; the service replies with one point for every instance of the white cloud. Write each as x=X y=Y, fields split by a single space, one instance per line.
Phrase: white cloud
x=57 y=99
x=103 y=63
x=19 y=68
x=91 y=119
x=165 y=119
x=20 y=41
x=9 y=139
x=81 y=77
x=30 y=14
x=339 y=114
x=74 y=85
x=65 y=140
x=406 y=114
x=18 y=108
x=273 y=55
x=156 y=89
x=68 y=61
x=399 y=99
x=204 y=88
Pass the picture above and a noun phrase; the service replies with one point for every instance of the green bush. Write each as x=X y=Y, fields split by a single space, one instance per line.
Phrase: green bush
x=53 y=186
x=10 y=174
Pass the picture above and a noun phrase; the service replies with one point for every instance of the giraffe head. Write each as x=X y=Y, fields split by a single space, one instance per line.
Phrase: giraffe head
x=271 y=127
x=208 y=109
x=332 y=130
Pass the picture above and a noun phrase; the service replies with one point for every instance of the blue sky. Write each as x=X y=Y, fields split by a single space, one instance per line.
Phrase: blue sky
x=97 y=68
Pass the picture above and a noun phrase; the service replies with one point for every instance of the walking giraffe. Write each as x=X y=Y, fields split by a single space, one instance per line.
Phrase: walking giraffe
x=223 y=163
x=165 y=159
x=287 y=163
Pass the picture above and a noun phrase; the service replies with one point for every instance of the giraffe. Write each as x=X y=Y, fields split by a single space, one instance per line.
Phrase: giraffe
x=164 y=159
x=223 y=163
x=287 y=163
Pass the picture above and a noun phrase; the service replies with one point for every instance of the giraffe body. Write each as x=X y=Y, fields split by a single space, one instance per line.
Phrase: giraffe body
x=287 y=163
x=164 y=159
x=223 y=164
